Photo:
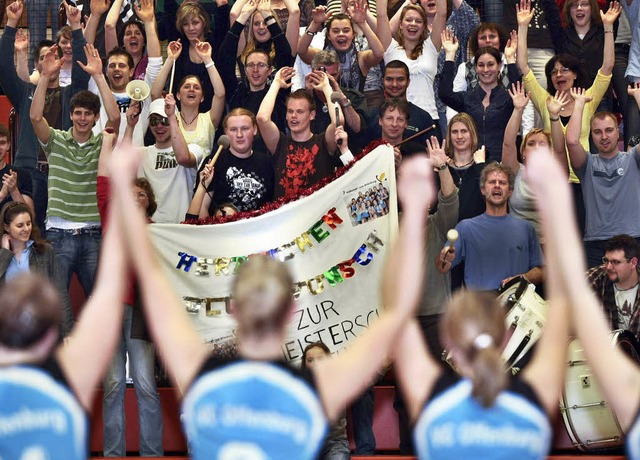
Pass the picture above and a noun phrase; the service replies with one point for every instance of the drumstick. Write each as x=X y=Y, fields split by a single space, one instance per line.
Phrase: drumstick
x=452 y=237
x=173 y=72
x=223 y=143
x=415 y=135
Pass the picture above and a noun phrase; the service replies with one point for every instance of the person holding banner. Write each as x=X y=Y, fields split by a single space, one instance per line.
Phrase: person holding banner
x=258 y=387
x=482 y=412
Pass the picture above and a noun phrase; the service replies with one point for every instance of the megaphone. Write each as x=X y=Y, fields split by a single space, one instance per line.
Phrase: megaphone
x=138 y=90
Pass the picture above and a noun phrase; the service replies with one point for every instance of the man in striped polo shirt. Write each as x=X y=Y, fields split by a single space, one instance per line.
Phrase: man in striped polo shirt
x=73 y=222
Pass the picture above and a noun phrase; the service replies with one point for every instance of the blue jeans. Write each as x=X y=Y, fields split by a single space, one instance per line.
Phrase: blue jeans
x=362 y=419
x=77 y=252
x=142 y=366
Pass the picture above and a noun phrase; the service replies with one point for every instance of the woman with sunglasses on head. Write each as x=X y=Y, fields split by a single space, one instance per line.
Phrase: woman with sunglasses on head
x=45 y=380
x=196 y=126
x=24 y=251
x=259 y=381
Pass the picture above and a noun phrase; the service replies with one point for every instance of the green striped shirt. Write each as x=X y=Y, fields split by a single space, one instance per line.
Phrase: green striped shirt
x=72 y=176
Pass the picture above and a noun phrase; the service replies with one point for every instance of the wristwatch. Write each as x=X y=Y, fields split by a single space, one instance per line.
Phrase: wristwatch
x=442 y=167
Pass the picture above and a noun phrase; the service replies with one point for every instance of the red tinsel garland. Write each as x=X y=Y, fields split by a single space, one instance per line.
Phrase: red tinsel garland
x=273 y=205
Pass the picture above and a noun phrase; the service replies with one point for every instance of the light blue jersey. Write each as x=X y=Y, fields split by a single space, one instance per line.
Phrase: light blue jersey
x=453 y=425
x=39 y=417
x=256 y=410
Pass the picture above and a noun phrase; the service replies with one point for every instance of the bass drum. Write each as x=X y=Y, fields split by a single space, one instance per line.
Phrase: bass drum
x=588 y=418
x=526 y=315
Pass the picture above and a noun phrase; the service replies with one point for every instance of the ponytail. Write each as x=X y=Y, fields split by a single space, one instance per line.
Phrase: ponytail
x=489 y=377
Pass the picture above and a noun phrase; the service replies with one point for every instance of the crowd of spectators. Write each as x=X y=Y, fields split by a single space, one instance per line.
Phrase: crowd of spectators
x=293 y=90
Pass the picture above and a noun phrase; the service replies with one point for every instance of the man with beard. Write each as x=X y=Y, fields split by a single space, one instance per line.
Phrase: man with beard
x=615 y=282
x=495 y=246
x=610 y=179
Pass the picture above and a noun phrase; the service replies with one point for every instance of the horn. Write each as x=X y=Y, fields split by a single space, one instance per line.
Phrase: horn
x=138 y=90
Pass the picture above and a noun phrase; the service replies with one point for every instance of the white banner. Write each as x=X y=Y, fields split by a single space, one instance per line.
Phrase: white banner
x=334 y=242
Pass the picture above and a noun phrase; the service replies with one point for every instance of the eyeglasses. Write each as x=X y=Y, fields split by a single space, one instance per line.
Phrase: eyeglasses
x=583 y=5
x=613 y=262
x=155 y=121
x=259 y=65
x=561 y=71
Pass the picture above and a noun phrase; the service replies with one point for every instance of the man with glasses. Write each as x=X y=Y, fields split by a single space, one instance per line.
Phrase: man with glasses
x=170 y=164
x=610 y=180
x=615 y=282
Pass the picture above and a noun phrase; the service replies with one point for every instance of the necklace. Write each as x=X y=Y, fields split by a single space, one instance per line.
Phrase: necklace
x=188 y=122
x=623 y=290
x=464 y=165
x=465 y=170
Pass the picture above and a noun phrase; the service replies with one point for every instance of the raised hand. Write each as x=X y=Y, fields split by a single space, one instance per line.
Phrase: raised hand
x=341 y=136
x=283 y=77
x=74 y=15
x=436 y=152
x=449 y=44
x=145 y=11
x=6 y=242
x=170 y=105
x=319 y=14
x=511 y=47
x=555 y=104
x=203 y=50
x=99 y=7
x=21 y=44
x=133 y=113
x=612 y=14
x=518 y=95
x=524 y=13
x=480 y=155
x=51 y=62
x=580 y=96
x=174 y=49
x=206 y=175
x=14 y=13
x=247 y=10
x=358 y=11
x=94 y=63
x=264 y=7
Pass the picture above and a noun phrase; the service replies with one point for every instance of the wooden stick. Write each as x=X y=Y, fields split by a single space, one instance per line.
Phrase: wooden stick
x=173 y=72
x=416 y=135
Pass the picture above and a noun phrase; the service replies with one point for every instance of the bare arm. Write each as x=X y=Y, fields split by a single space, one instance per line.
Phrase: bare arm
x=49 y=66
x=554 y=106
x=394 y=22
x=203 y=49
x=577 y=154
x=383 y=28
x=173 y=51
x=439 y=23
x=524 y=14
x=293 y=24
x=371 y=57
x=146 y=13
x=179 y=345
x=197 y=205
x=99 y=8
x=318 y=18
x=21 y=47
x=509 y=149
x=330 y=134
x=608 y=19
x=343 y=377
x=268 y=129
x=180 y=148
x=94 y=68
x=546 y=370
x=110 y=34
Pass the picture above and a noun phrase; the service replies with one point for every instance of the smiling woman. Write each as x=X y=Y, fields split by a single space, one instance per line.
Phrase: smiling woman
x=23 y=250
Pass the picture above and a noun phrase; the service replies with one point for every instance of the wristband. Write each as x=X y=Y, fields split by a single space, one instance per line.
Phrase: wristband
x=269 y=17
x=346 y=104
x=208 y=66
x=554 y=119
x=309 y=33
